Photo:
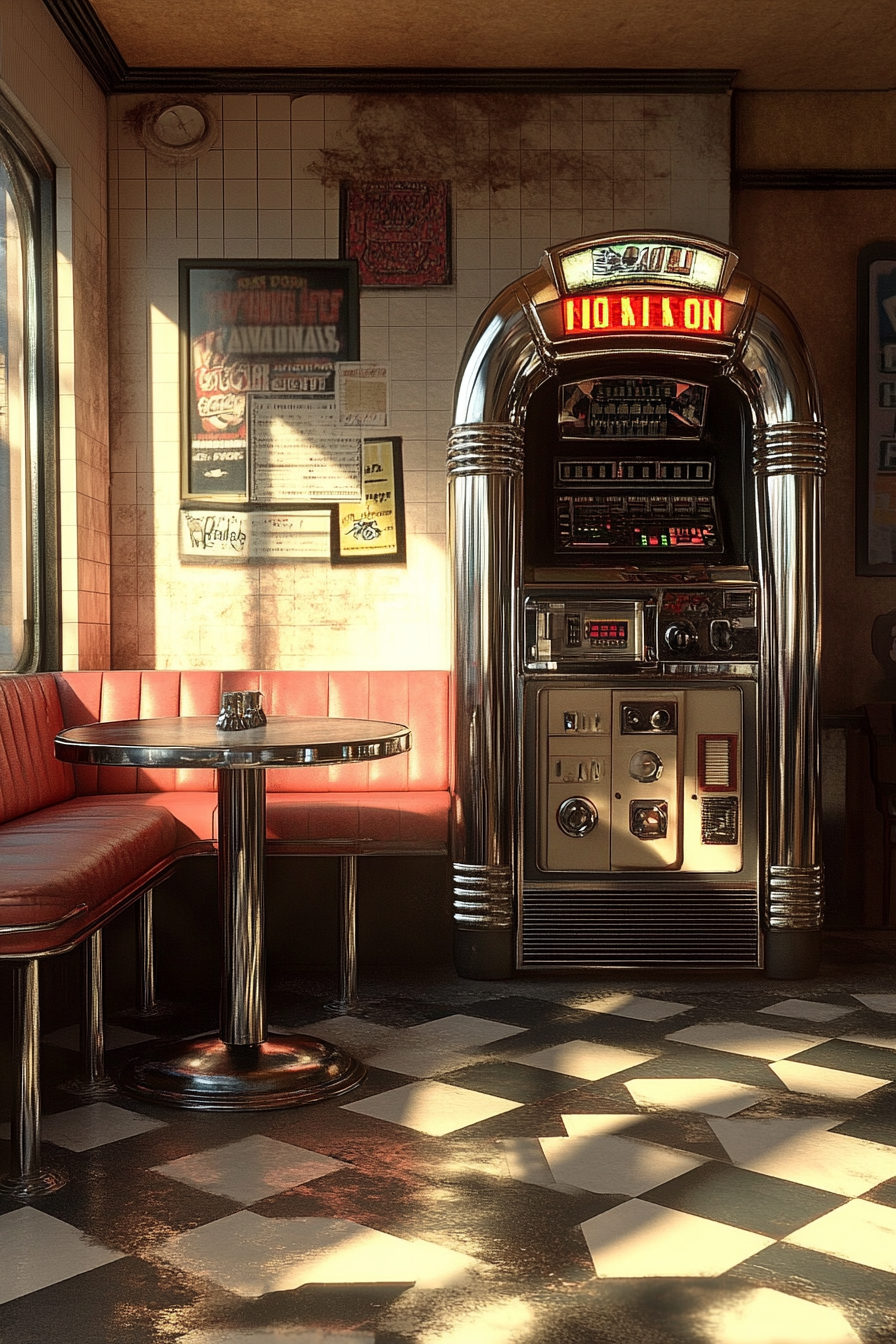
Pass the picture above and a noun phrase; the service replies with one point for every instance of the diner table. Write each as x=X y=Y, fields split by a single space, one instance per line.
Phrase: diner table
x=238 y=1068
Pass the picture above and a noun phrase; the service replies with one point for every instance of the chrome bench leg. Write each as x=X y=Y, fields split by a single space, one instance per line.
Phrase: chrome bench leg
x=94 y=1081
x=26 y=1178
x=146 y=956
x=348 y=937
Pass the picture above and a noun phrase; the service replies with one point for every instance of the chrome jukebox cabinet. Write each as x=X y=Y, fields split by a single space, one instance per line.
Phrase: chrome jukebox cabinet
x=635 y=489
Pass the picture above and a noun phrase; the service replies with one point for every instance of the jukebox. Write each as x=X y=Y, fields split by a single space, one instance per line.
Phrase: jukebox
x=635 y=479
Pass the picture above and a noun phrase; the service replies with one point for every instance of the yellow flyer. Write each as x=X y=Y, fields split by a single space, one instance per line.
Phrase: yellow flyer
x=373 y=529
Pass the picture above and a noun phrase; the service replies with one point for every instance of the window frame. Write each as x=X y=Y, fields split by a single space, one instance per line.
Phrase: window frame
x=32 y=177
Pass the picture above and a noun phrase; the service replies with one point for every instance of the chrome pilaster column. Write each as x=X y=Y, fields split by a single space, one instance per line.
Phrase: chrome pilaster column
x=27 y=1179
x=347 y=1002
x=779 y=380
x=485 y=463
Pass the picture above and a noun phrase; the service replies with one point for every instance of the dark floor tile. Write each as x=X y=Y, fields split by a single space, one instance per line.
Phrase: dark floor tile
x=518 y=1011
x=850 y=1056
x=877 y=1125
x=870 y=1292
x=514 y=1082
x=677 y=1059
x=127 y=1302
x=745 y=1199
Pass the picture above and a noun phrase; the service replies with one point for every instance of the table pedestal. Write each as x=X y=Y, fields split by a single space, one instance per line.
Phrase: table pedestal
x=239 y=1069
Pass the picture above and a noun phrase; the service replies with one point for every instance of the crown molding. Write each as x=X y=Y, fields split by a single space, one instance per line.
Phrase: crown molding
x=814 y=179
x=82 y=27
x=406 y=79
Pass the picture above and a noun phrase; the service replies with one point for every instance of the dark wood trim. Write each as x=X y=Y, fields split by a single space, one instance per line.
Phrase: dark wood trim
x=401 y=79
x=81 y=25
x=814 y=179
x=86 y=33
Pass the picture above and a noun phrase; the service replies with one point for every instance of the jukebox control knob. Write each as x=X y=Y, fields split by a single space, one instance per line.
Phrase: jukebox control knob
x=681 y=637
x=645 y=766
x=660 y=720
x=577 y=816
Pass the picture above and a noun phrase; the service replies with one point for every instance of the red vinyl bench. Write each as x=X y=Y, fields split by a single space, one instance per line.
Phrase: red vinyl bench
x=79 y=844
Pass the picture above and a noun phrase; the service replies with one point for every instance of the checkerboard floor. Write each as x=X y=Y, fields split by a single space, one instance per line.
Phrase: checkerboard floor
x=702 y=1160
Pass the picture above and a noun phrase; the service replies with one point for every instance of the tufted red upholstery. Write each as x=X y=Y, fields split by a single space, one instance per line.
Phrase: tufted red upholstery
x=30 y=775
x=83 y=834
x=418 y=699
x=74 y=854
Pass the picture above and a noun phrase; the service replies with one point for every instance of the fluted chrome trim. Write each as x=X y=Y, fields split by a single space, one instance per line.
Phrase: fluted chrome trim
x=491 y=449
x=796 y=897
x=483 y=896
x=793 y=448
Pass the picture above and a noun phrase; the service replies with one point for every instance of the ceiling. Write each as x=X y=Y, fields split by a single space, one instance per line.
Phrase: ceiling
x=772 y=44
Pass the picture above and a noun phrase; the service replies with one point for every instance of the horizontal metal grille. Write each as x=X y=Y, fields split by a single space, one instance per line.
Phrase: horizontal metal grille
x=582 y=929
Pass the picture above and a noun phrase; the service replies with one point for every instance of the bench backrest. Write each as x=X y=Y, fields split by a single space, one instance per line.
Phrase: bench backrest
x=418 y=699
x=30 y=775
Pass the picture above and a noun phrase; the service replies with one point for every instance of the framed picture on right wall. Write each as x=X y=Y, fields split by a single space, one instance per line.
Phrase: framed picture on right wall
x=876 y=410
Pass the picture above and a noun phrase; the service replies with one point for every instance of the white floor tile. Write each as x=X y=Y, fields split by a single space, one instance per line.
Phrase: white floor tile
x=807 y=1009
x=708 y=1096
x=354 y=1034
x=419 y=1061
x=251 y=1169
x=95 y=1125
x=459 y=1032
x=432 y=1108
x=878 y=1003
x=881 y=1042
x=765 y=1316
x=600 y=1124
x=37 y=1250
x=859 y=1231
x=737 y=1038
x=638 y=1240
x=250 y=1255
x=527 y=1163
x=825 y=1082
x=609 y=1164
x=805 y=1152
x=583 y=1059
x=632 y=1005
x=114 y=1037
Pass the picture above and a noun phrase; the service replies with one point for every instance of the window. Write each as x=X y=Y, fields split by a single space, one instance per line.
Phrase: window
x=28 y=586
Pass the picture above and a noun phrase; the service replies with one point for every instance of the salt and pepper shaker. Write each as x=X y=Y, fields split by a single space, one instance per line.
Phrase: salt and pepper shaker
x=240 y=710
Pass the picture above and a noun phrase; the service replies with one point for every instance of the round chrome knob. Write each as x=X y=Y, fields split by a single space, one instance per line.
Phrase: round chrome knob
x=577 y=816
x=681 y=637
x=645 y=766
x=660 y=719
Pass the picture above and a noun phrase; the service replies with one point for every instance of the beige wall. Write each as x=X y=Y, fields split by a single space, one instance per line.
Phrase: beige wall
x=572 y=166
x=804 y=244
x=47 y=84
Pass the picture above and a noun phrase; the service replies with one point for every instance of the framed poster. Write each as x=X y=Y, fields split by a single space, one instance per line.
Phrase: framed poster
x=372 y=531
x=260 y=345
x=399 y=232
x=876 y=411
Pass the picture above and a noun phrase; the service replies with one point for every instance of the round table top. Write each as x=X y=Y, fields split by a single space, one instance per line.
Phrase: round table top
x=196 y=743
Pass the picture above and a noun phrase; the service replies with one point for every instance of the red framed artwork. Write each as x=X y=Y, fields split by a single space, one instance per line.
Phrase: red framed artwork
x=398 y=232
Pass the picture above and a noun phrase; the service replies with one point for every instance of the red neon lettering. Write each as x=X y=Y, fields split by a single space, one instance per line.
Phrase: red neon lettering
x=654 y=312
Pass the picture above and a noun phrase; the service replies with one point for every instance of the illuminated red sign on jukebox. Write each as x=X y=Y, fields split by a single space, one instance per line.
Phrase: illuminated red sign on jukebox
x=680 y=312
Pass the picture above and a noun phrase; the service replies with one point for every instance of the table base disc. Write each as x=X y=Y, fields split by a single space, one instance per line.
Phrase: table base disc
x=204 y=1074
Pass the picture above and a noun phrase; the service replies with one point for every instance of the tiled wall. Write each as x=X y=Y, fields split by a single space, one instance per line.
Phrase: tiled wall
x=589 y=164
x=47 y=84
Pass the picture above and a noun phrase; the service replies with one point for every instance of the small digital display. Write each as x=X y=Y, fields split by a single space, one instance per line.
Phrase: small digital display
x=606 y=632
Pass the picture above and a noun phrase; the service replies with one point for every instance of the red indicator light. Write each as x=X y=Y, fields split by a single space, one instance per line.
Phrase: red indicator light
x=644 y=312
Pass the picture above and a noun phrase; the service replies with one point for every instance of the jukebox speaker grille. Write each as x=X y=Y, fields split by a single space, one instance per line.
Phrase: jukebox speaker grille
x=640 y=928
